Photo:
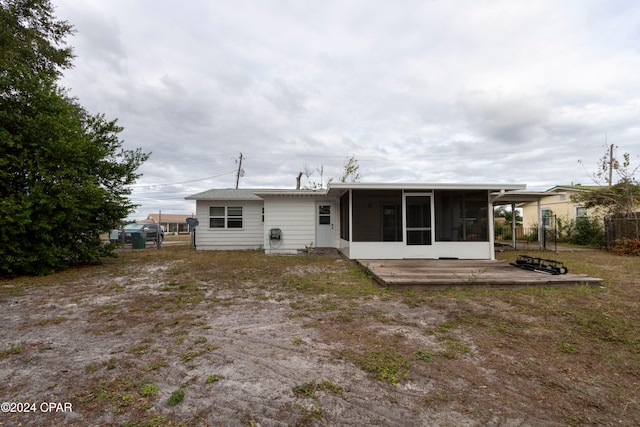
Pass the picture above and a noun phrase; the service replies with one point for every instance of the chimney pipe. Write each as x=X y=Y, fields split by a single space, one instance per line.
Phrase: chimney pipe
x=298 y=181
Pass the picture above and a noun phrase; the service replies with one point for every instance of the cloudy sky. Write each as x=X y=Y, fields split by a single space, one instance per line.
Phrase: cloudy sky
x=418 y=91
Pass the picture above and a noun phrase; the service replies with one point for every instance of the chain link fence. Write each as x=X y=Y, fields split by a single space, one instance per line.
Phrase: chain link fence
x=528 y=237
x=612 y=232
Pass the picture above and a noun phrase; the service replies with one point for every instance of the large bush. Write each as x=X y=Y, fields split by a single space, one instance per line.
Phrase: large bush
x=63 y=173
x=587 y=232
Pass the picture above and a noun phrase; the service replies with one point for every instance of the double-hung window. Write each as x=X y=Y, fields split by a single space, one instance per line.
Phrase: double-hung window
x=225 y=217
x=545 y=213
x=581 y=213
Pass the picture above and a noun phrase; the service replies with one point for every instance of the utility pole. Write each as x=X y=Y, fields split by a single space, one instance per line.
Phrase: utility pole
x=239 y=171
x=610 y=165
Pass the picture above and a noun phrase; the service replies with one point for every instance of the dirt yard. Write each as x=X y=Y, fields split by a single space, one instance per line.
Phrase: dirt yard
x=177 y=337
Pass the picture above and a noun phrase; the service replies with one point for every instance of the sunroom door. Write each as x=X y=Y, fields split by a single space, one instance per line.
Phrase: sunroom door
x=418 y=219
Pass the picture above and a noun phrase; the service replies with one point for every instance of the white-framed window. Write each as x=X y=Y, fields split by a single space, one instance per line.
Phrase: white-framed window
x=545 y=214
x=225 y=217
x=580 y=212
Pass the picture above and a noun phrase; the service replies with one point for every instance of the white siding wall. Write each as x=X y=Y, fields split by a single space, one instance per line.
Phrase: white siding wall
x=249 y=237
x=296 y=216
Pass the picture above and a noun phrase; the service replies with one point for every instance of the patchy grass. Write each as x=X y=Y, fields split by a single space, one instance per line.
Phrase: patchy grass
x=149 y=322
x=385 y=365
x=124 y=392
x=175 y=398
x=308 y=390
x=13 y=349
x=425 y=355
x=214 y=378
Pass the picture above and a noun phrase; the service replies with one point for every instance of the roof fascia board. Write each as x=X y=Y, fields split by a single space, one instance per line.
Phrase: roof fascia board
x=576 y=188
x=276 y=192
x=426 y=186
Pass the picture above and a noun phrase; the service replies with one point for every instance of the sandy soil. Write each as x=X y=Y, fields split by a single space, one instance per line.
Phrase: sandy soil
x=96 y=342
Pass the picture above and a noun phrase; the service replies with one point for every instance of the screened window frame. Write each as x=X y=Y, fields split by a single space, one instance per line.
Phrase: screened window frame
x=461 y=215
x=366 y=208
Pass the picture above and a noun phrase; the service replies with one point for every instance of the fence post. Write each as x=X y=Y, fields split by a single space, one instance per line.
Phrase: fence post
x=555 y=233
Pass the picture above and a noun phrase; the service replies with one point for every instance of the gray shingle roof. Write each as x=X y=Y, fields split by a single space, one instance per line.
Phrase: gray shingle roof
x=225 y=194
x=249 y=194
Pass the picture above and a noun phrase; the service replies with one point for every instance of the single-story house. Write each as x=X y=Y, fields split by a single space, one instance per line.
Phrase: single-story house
x=170 y=223
x=364 y=221
x=557 y=201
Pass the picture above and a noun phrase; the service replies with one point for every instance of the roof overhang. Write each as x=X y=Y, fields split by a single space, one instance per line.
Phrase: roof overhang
x=337 y=189
x=225 y=194
x=500 y=193
x=514 y=197
x=276 y=193
x=250 y=194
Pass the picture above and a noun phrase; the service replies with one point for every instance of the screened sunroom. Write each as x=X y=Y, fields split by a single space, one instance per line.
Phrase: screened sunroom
x=395 y=221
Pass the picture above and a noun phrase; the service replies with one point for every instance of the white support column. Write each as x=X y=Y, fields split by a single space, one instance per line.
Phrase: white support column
x=513 y=224
x=540 y=225
x=492 y=237
x=350 y=217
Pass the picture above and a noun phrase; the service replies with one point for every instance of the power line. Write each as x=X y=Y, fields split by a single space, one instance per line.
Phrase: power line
x=182 y=182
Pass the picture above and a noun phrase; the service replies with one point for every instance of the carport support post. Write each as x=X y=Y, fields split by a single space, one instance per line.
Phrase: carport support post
x=540 y=225
x=492 y=231
x=513 y=224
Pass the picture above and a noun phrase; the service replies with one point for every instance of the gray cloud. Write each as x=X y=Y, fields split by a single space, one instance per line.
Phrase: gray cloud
x=417 y=91
x=511 y=118
x=100 y=38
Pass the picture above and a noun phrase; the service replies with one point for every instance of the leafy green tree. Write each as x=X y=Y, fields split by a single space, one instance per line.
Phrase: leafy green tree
x=351 y=170
x=32 y=40
x=502 y=212
x=350 y=173
x=64 y=175
x=619 y=199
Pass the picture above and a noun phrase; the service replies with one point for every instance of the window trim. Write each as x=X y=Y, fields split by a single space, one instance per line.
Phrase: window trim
x=577 y=217
x=545 y=217
x=232 y=215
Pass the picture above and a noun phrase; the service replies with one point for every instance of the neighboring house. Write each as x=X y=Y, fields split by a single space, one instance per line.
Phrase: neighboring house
x=557 y=201
x=365 y=221
x=170 y=223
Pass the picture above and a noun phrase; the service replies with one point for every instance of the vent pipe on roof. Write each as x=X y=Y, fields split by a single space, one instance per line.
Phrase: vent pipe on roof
x=298 y=181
